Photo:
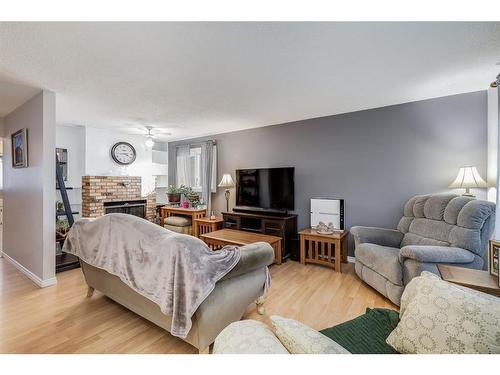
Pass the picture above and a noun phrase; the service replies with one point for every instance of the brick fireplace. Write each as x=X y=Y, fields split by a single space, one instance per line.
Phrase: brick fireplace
x=99 y=192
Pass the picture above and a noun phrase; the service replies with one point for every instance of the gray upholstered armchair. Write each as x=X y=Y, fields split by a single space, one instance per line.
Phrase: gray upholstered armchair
x=434 y=229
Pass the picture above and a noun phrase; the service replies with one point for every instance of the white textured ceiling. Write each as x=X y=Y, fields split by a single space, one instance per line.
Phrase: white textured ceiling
x=12 y=95
x=206 y=78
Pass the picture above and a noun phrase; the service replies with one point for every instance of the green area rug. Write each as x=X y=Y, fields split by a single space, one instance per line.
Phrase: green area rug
x=367 y=333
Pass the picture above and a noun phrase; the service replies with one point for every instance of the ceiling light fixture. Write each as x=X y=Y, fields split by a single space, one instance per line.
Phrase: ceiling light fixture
x=149 y=139
x=149 y=142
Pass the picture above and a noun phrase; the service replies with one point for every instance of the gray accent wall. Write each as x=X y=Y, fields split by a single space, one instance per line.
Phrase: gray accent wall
x=375 y=159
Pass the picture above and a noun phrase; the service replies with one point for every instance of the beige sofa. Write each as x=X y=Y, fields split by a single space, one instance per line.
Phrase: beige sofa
x=226 y=304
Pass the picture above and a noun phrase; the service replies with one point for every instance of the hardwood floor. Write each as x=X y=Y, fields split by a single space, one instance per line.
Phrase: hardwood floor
x=59 y=319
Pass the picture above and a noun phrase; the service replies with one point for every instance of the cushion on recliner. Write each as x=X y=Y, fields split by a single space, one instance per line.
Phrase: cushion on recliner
x=474 y=213
x=447 y=220
x=418 y=205
x=453 y=209
x=435 y=206
x=381 y=259
x=432 y=229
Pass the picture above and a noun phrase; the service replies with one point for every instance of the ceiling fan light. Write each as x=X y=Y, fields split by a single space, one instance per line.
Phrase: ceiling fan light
x=150 y=142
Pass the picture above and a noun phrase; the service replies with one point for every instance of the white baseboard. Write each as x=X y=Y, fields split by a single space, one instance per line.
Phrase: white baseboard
x=38 y=281
x=351 y=259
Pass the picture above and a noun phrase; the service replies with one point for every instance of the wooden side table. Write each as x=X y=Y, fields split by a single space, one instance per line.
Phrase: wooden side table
x=325 y=249
x=205 y=225
x=194 y=213
x=470 y=278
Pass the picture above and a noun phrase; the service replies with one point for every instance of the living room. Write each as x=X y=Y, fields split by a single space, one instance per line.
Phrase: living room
x=250 y=188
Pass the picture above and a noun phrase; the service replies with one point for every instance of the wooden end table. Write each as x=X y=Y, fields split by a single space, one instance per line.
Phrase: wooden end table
x=206 y=225
x=470 y=278
x=324 y=249
x=218 y=239
x=194 y=213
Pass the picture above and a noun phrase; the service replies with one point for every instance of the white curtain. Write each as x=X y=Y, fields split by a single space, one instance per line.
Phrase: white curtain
x=494 y=121
x=207 y=153
x=183 y=170
x=196 y=167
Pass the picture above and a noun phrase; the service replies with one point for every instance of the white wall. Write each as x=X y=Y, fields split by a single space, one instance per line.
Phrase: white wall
x=494 y=117
x=160 y=156
x=1 y=191
x=72 y=138
x=29 y=193
x=1 y=164
x=98 y=159
x=492 y=143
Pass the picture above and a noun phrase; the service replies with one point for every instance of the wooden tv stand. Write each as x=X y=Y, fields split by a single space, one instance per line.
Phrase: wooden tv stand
x=270 y=224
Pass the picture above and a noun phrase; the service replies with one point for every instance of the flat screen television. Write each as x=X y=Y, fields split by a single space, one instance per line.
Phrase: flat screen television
x=269 y=189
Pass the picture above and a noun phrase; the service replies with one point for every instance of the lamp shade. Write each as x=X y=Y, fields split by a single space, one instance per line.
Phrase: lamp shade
x=227 y=181
x=468 y=177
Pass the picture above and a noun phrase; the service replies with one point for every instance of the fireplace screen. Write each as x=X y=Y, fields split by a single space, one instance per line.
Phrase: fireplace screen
x=136 y=208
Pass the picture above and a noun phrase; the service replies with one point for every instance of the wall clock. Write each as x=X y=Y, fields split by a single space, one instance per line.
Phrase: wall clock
x=123 y=153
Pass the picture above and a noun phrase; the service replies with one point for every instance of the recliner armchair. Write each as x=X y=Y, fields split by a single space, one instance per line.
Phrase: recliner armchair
x=439 y=228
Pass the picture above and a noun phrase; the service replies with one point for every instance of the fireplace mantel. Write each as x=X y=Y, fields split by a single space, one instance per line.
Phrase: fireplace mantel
x=96 y=190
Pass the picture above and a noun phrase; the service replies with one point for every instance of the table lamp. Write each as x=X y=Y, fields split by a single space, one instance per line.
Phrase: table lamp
x=468 y=177
x=227 y=182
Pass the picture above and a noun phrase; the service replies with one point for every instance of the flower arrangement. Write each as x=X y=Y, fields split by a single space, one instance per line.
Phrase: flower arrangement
x=190 y=195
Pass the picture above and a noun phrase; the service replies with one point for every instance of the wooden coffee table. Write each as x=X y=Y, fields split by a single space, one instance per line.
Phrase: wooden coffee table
x=474 y=279
x=325 y=249
x=218 y=239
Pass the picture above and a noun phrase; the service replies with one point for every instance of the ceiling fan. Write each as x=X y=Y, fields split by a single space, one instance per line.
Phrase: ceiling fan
x=151 y=133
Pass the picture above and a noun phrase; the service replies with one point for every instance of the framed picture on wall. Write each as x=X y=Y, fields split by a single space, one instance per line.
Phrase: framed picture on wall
x=493 y=255
x=20 y=149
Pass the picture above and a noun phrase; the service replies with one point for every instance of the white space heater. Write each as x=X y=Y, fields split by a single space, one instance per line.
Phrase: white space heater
x=328 y=211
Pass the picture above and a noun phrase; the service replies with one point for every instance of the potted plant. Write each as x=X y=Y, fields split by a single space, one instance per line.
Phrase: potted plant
x=173 y=195
x=59 y=206
x=194 y=199
x=62 y=228
x=190 y=195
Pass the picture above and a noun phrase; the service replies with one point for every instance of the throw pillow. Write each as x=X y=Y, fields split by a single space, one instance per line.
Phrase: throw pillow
x=248 y=337
x=301 y=339
x=440 y=317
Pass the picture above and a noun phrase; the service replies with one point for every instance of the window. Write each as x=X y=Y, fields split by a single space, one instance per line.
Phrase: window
x=195 y=166
x=190 y=168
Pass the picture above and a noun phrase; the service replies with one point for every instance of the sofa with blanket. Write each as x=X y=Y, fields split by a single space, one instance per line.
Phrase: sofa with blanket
x=439 y=228
x=227 y=303
x=173 y=280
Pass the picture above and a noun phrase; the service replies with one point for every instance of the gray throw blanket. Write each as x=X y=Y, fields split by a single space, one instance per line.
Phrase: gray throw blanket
x=175 y=271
